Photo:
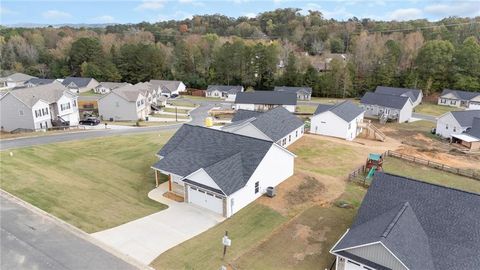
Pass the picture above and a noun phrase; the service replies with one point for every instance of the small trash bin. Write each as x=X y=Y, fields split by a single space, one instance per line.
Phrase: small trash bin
x=146 y=118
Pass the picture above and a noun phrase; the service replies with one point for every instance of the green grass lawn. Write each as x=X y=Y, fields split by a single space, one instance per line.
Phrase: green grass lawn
x=306 y=109
x=92 y=184
x=161 y=115
x=431 y=175
x=246 y=228
x=181 y=103
x=134 y=123
x=89 y=93
x=434 y=109
x=172 y=110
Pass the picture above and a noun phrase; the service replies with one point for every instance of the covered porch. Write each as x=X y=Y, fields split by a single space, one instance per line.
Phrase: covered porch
x=175 y=185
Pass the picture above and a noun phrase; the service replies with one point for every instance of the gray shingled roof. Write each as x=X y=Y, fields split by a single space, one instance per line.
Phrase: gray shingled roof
x=129 y=92
x=166 y=86
x=38 y=81
x=231 y=89
x=425 y=225
x=409 y=92
x=78 y=81
x=266 y=97
x=50 y=93
x=112 y=85
x=230 y=159
x=390 y=101
x=244 y=114
x=465 y=118
x=292 y=89
x=346 y=110
x=19 y=77
x=463 y=95
x=275 y=123
x=474 y=131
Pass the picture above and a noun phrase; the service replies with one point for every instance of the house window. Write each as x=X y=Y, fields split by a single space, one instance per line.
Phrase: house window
x=443 y=101
x=74 y=103
x=296 y=133
x=46 y=110
x=117 y=104
x=64 y=106
x=446 y=126
x=257 y=187
x=454 y=129
x=289 y=138
x=453 y=102
x=349 y=125
x=284 y=141
x=138 y=103
x=20 y=112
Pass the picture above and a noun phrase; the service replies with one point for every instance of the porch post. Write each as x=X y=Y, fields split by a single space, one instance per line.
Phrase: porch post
x=156 y=178
x=169 y=182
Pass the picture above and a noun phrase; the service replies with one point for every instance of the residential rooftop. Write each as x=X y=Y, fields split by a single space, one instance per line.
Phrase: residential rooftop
x=266 y=97
x=390 y=101
x=346 y=110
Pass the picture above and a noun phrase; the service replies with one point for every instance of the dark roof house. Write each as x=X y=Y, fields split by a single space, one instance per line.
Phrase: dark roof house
x=229 y=89
x=275 y=123
x=418 y=225
x=303 y=93
x=461 y=95
x=266 y=97
x=346 y=110
x=39 y=81
x=465 y=118
x=413 y=94
x=384 y=100
x=79 y=82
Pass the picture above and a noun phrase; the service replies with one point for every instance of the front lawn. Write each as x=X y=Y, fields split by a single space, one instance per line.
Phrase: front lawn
x=172 y=110
x=306 y=109
x=434 y=109
x=92 y=184
x=162 y=115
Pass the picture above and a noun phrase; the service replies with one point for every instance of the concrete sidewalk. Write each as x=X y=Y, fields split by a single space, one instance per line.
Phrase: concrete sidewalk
x=146 y=238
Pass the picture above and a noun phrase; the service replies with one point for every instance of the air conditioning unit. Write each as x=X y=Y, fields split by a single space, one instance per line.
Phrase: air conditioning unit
x=271 y=192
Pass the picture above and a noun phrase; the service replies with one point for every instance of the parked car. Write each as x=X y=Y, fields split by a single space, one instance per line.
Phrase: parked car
x=90 y=121
x=174 y=96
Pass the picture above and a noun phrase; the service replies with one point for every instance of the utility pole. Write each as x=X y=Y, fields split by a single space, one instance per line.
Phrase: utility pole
x=176 y=114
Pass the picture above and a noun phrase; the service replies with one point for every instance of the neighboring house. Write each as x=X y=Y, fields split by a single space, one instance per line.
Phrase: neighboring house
x=79 y=84
x=40 y=107
x=227 y=92
x=457 y=98
x=265 y=100
x=37 y=81
x=455 y=122
x=125 y=103
x=277 y=125
x=407 y=224
x=471 y=137
x=387 y=107
x=169 y=88
x=14 y=80
x=221 y=171
x=303 y=93
x=106 y=87
x=415 y=95
x=340 y=120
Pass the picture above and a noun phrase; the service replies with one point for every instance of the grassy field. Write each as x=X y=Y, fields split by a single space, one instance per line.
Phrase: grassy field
x=172 y=110
x=181 y=103
x=134 y=123
x=90 y=93
x=332 y=100
x=434 y=109
x=306 y=109
x=92 y=184
x=161 y=115
x=431 y=175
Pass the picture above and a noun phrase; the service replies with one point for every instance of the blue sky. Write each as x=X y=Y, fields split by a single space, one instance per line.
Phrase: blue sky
x=120 y=11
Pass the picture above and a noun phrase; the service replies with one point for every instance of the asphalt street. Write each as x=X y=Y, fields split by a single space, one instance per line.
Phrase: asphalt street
x=32 y=240
x=198 y=116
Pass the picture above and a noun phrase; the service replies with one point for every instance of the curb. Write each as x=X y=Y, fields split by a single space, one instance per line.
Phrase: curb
x=83 y=235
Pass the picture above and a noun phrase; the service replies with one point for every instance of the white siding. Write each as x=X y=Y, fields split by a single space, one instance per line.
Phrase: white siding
x=406 y=113
x=10 y=116
x=377 y=253
x=330 y=124
x=448 y=125
x=215 y=94
x=276 y=166
x=113 y=106
x=42 y=121
x=261 y=107
x=291 y=137
x=249 y=107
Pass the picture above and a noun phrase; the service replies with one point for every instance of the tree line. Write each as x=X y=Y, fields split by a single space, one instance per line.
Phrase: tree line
x=280 y=47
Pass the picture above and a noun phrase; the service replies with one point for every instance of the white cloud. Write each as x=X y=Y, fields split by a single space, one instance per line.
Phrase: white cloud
x=192 y=2
x=250 y=15
x=179 y=15
x=56 y=15
x=151 y=5
x=405 y=14
x=104 y=19
x=463 y=9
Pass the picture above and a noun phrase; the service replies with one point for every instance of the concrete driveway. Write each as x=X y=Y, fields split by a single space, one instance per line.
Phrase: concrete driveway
x=146 y=238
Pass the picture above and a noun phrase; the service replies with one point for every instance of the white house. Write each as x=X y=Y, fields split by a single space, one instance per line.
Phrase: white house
x=455 y=122
x=265 y=100
x=221 y=171
x=340 y=120
x=387 y=107
x=14 y=80
x=169 y=88
x=106 y=87
x=227 y=92
x=457 y=98
x=125 y=103
x=408 y=224
x=303 y=93
x=415 y=95
x=79 y=84
x=277 y=125
x=40 y=107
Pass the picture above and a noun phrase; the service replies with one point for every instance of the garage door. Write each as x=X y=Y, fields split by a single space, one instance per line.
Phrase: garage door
x=205 y=199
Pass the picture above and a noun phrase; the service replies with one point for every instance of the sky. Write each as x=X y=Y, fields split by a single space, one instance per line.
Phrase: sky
x=122 y=11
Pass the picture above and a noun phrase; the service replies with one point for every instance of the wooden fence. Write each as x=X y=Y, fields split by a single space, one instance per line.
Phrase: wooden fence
x=358 y=174
x=436 y=165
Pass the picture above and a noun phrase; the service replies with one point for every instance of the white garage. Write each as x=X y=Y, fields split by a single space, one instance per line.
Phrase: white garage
x=205 y=199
